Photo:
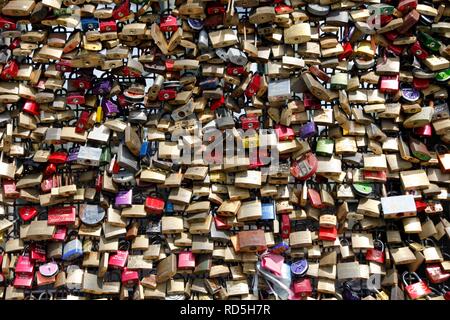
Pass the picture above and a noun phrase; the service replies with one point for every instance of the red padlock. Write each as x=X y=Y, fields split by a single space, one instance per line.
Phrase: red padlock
x=154 y=205
x=425 y=131
x=108 y=26
x=186 y=260
x=168 y=23
x=253 y=86
x=82 y=122
x=129 y=277
x=50 y=169
x=23 y=281
x=420 y=205
x=420 y=84
x=391 y=35
x=416 y=290
x=64 y=65
x=213 y=20
x=60 y=233
x=24 y=265
x=380 y=176
x=122 y=11
x=285 y=226
x=314 y=199
x=27 y=213
x=375 y=254
x=75 y=98
x=389 y=84
x=435 y=273
x=302 y=287
x=282 y=8
x=215 y=8
x=234 y=70
x=310 y=102
x=327 y=234
x=305 y=167
x=167 y=94
x=221 y=223
x=348 y=50
x=119 y=259
x=406 y=5
x=61 y=216
x=250 y=121
x=38 y=253
x=83 y=82
x=169 y=64
x=255 y=159
x=217 y=103
x=15 y=43
x=417 y=50
x=7 y=24
x=395 y=49
x=284 y=133
x=10 y=70
x=31 y=107
x=57 y=157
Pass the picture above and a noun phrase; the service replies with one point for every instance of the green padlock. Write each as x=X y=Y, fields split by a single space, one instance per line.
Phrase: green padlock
x=105 y=157
x=443 y=75
x=429 y=42
x=363 y=188
x=325 y=147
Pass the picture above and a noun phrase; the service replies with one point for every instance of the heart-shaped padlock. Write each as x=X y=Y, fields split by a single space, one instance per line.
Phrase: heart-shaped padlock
x=27 y=213
x=49 y=269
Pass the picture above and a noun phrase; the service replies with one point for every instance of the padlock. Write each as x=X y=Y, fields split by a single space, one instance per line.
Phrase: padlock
x=186 y=260
x=302 y=287
x=154 y=205
x=376 y=254
x=73 y=248
x=119 y=258
x=415 y=290
x=10 y=70
x=61 y=216
x=389 y=84
x=168 y=23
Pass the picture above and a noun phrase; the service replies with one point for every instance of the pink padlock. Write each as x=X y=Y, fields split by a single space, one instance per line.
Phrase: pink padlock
x=186 y=260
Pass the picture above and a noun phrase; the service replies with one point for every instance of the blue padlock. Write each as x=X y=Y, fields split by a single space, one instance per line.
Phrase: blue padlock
x=89 y=24
x=73 y=249
x=268 y=211
x=169 y=207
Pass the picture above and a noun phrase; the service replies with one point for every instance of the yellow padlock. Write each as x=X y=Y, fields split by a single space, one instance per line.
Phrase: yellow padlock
x=99 y=115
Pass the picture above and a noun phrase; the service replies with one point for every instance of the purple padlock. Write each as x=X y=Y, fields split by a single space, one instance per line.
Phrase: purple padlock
x=410 y=94
x=299 y=267
x=308 y=130
x=109 y=108
x=124 y=199
x=73 y=154
x=103 y=87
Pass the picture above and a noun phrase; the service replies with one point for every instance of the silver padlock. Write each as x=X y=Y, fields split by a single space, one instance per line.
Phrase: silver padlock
x=236 y=56
x=126 y=159
x=279 y=90
x=89 y=156
x=203 y=42
x=222 y=54
x=100 y=134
